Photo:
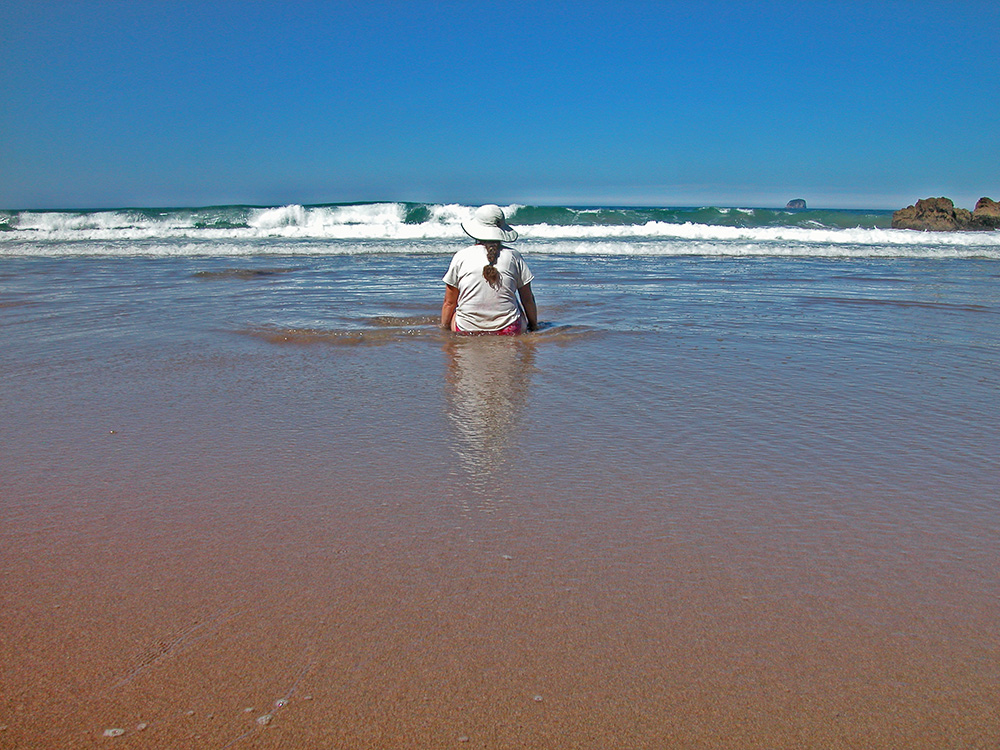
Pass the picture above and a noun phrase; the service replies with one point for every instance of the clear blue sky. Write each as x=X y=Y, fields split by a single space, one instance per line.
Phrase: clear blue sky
x=845 y=104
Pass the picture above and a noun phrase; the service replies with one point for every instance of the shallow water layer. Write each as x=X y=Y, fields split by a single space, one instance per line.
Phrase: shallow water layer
x=714 y=502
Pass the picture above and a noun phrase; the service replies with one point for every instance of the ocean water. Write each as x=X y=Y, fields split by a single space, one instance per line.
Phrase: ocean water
x=825 y=317
x=796 y=411
x=420 y=228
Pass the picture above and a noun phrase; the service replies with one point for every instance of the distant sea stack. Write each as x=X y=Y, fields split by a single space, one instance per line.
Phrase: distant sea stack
x=940 y=215
x=796 y=203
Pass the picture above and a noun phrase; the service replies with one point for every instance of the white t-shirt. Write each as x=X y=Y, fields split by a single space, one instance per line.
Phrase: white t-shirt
x=480 y=306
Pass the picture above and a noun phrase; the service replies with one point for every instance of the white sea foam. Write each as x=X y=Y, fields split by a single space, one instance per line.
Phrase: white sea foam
x=451 y=214
x=326 y=220
x=284 y=216
x=55 y=222
x=825 y=236
x=386 y=227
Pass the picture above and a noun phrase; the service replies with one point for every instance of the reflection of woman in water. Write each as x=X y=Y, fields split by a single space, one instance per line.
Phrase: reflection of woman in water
x=488 y=285
x=487 y=386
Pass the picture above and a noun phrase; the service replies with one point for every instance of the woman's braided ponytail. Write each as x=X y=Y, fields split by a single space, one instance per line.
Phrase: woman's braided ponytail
x=490 y=272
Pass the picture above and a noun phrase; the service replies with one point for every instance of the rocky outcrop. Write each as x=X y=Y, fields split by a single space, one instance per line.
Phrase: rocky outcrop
x=932 y=214
x=940 y=215
x=987 y=214
x=796 y=204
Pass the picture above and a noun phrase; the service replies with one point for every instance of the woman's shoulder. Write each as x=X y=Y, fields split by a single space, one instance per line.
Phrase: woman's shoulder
x=515 y=255
x=464 y=253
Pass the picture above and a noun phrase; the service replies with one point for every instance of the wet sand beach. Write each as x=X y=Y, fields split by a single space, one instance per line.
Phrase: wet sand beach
x=582 y=539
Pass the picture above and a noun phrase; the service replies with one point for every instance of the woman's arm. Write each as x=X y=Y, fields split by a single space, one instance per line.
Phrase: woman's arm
x=449 y=306
x=528 y=303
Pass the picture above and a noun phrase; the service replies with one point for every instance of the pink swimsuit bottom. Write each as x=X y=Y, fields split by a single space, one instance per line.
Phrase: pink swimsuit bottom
x=513 y=329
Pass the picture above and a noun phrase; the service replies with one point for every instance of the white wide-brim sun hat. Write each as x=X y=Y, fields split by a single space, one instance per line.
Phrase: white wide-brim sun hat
x=489 y=224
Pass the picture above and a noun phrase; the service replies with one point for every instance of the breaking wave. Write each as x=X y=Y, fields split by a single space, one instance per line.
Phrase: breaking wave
x=436 y=228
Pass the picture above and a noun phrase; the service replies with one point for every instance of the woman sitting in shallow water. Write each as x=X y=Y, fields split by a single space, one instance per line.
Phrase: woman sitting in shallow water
x=488 y=285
